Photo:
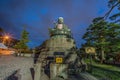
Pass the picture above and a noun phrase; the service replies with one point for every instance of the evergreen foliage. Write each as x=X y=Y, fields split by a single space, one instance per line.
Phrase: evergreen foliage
x=22 y=44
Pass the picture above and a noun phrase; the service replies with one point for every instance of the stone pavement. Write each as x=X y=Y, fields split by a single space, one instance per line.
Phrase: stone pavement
x=9 y=64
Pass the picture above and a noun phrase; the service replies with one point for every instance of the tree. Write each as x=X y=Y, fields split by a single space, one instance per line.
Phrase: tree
x=101 y=33
x=22 y=44
x=112 y=4
x=114 y=35
x=114 y=26
x=1 y=31
x=96 y=36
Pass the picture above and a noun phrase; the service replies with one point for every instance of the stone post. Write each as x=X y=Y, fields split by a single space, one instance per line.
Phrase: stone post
x=37 y=71
x=58 y=70
x=53 y=71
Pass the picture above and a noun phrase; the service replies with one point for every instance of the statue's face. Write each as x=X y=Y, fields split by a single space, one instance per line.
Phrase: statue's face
x=60 y=26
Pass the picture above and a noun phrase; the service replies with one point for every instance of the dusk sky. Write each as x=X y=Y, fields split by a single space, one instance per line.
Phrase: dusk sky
x=38 y=15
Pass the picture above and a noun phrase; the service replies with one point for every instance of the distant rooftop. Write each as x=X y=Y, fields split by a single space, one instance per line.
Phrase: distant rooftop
x=2 y=46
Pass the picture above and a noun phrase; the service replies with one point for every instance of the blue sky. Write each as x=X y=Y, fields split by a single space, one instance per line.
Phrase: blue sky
x=38 y=15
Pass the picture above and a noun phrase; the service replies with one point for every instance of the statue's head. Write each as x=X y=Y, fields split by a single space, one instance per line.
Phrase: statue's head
x=60 y=20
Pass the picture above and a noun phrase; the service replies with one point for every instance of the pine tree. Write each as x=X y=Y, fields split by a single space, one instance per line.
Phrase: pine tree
x=96 y=36
x=22 y=44
x=104 y=35
x=112 y=4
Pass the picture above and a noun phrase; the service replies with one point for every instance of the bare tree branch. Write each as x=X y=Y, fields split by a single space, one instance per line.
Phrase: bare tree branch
x=108 y=13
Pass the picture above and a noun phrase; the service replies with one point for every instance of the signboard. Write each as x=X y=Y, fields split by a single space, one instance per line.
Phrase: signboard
x=59 y=60
x=90 y=50
x=59 y=53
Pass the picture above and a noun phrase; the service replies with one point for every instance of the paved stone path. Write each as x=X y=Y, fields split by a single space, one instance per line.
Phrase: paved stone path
x=9 y=64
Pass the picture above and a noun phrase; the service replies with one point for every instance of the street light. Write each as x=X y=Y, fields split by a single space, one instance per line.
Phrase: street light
x=5 y=38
